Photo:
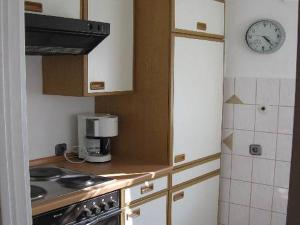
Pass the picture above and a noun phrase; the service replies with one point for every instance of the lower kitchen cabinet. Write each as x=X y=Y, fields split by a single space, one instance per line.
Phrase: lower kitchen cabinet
x=153 y=212
x=196 y=203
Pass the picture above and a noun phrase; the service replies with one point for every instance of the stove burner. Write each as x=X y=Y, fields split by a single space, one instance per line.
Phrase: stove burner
x=45 y=173
x=82 y=181
x=37 y=192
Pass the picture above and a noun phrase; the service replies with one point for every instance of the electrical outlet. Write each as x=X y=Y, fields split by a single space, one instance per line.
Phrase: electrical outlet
x=255 y=149
x=60 y=149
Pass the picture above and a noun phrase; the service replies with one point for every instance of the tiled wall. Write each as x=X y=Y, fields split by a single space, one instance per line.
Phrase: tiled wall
x=254 y=189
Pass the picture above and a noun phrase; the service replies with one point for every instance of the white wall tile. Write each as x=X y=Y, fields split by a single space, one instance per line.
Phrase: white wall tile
x=223 y=213
x=228 y=116
x=241 y=142
x=268 y=143
x=241 y=168
x=266 y=121
x=260 y=217
x=240 y=192
x=225 y=166
x=245 y=89
x=282 y=174
x=280 y=200
x=278 y=219
x=228 y=88
x=224 y=189
x=239 y=215
x=286 y=120
x=284 y=147
x=261 y=196
x=263 y=171
x=267 y=91
x=244 y=117
x=287 y=92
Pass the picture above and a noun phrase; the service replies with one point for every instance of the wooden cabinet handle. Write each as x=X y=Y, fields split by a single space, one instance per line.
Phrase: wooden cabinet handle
x=33 y=6
x=97 y=85
x=133 y=214
x=178 y=196
x=179 y=158
x=147 y=188
x=201 y=26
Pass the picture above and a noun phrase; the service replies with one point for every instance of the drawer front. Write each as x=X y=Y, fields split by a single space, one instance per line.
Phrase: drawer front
x=198 y=202
x=194 y=172
x=65 y=8
x=145 y=189
x=200 y=15
x=150 y=213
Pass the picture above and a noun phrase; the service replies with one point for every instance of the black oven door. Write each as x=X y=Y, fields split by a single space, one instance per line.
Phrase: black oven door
x=110 y=219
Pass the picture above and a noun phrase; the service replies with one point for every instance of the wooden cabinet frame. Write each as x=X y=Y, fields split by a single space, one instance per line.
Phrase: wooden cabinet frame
x=68 y=75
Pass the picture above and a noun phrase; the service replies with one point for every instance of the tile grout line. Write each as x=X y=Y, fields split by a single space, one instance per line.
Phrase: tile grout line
x=276 y=149
x=230 y=179
x=253 y=141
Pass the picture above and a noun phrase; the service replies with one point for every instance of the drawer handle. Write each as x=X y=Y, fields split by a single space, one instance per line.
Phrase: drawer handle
x=201 y=26
x=33 y=6
x=179 y=158
x=178 y=196
x=97 y=85
x=134 y=213
x=147 y=188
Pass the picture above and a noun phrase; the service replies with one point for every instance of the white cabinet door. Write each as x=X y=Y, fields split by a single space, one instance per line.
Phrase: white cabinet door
x=150 y=213
x=198 y=97
x=62 y=8
x=197 y=204
x=111 y=61
x=190 y=12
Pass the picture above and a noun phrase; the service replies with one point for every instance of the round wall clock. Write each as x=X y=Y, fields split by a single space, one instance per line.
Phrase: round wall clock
x=265 y=36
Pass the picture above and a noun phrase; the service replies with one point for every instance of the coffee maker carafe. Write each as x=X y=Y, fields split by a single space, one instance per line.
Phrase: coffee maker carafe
x=94 y=136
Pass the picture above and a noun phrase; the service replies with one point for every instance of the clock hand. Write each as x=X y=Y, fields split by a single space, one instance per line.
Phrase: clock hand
x=268 y=40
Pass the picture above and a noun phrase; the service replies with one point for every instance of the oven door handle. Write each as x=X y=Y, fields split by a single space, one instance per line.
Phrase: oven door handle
x=100 y=219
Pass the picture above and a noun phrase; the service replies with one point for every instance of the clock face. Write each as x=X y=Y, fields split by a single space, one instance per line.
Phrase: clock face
x=265 y=36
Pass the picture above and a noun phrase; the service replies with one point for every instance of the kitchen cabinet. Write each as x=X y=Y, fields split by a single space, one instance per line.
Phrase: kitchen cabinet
x=62 y=8
x=149 y=213
x=196 y=203
x=205 y=16
x=107 y=69
x=197 y=98
x=111 y=62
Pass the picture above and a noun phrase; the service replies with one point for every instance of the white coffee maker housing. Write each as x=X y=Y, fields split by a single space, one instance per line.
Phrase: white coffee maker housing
x=94 y=135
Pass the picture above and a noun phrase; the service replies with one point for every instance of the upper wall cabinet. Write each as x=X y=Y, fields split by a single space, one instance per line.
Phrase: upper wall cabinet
x=206 y=16
x=107 y=69
x=112 y=61
x=65 y=8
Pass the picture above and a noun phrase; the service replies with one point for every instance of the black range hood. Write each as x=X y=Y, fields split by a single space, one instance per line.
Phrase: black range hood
x=50 y=35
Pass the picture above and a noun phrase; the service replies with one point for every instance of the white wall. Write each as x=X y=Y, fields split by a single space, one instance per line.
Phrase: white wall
x=51 y=119
x=242 y=62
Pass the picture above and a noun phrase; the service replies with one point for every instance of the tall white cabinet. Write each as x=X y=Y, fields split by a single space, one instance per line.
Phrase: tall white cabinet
x=197 y=98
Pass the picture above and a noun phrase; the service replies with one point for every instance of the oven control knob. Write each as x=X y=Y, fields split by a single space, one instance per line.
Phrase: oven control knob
x=104 y=206
x=96 y=210
x=112 y=203
x=86 y=213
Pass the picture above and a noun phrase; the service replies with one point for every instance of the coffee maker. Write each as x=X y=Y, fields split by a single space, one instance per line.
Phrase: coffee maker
x=94 y=136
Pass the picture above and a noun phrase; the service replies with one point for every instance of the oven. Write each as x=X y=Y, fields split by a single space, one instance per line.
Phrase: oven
x=102 y=210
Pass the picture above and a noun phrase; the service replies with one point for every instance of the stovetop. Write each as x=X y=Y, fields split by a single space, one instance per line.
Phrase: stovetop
x=52 y=182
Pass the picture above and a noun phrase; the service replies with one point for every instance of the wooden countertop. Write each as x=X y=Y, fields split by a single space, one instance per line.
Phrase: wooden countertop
x=126 y=173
